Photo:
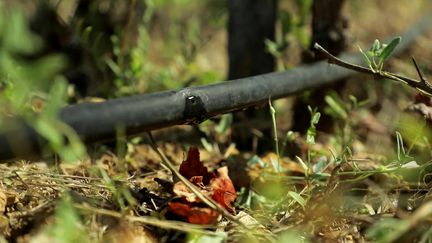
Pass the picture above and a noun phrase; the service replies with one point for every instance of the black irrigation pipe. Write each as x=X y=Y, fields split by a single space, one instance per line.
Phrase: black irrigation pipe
x=136 y=114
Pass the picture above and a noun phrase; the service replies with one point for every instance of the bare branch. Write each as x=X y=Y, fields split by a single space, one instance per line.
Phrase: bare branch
x=423 y=86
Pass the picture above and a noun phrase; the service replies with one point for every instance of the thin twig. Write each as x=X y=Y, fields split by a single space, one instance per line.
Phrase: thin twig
x=33 y=211
x=208 y=201
x=423 y=86
x=167 y=224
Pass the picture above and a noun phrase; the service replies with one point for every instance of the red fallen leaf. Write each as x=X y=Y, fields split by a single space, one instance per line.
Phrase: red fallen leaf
x=218 y=186
x=181 y=190
x=192 y=166
x=223 y=191
x=419 y=98
x=197 y=180
x=194 y=215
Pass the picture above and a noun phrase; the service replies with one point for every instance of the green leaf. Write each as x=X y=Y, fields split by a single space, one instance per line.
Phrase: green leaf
x=85 y=37
x=336 y=106
x=62 y=139
x=303 y=164
x=310 y=136
x=311 y=132
x=320 y=165
x=286 y=22
x=400 y=146
x=67 y=226
x=315 y=118
x=389 y=49
x=276 y=165
x=224 y=124
x=305 y=7
x=366 y=58
x=387 y=230
x=207 y=146
x=48 y=130
x=299 y=199
x=17 y=37
x=272 y=47
x=353 y=100
x=290 y=136
x=375 y=49
x=114 y=67
x=57 y=98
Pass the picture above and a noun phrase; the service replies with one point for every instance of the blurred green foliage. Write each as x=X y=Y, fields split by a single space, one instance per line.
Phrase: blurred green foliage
x=23 y=80
x=67 y=226
x=162 y=55
x=292 y=27
x=167 y=47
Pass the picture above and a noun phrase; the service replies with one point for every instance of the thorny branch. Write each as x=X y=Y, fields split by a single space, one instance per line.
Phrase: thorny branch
x=421 y=85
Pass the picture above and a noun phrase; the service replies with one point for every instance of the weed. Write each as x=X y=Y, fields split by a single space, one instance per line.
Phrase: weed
x=67 y=226
x=292 y=25
x=378 y=54
x=25 y=81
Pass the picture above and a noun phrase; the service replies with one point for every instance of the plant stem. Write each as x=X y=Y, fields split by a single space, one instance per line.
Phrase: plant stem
x=275 y=135
x=421 y=85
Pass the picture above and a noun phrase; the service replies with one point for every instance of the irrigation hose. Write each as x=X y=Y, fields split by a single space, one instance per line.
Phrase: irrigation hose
x=140 y=113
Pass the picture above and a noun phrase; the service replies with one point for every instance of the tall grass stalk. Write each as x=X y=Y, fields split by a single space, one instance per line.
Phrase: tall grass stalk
x=275 y=135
